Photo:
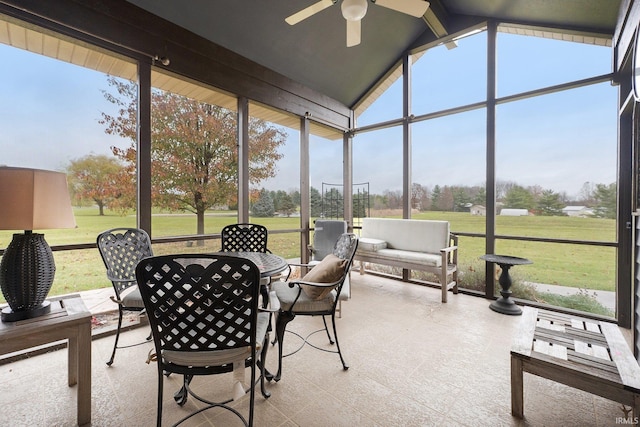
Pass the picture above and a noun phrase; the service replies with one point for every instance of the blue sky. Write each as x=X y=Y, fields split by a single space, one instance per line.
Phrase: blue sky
x=50 y=114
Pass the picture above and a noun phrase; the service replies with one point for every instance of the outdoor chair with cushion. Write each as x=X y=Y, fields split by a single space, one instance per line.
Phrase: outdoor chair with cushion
x=316 y=294
x=205 y=320
x=121 y=249
x=326 y=233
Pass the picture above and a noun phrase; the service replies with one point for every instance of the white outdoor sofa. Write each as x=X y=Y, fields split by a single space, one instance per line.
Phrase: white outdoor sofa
x=423 y=245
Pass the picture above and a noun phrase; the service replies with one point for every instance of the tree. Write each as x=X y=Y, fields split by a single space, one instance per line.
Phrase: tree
x=264 y=206
x=586 y=194
x=194 y=154
x=393 y=199
x=503 y=188
x=480 y=197
x=277 y=196
x=295 y=196
x=95 y=177
x=315 y=200
x=436 y=194
x=360 y=203
x=418 y=195
x=518 y=197
x=332 y=203
x=461 y=199
x=549 y=204
x=286 y=205
x=605 y=197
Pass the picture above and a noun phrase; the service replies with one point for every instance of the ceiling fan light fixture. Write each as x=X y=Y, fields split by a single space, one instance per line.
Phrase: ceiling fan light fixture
x=354 y=10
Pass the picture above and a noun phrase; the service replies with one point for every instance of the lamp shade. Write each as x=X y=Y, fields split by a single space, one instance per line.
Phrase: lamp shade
x=34 y=199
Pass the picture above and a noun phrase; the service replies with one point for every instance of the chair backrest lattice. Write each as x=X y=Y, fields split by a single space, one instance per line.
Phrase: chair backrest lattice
x=244 y=238
x=121 y=250
x=200 y=302
x=345 y=247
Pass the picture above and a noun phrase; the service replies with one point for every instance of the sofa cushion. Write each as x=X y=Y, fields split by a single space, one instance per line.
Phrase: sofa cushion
x=329 y=270
x=430 y=260
x=370 y=244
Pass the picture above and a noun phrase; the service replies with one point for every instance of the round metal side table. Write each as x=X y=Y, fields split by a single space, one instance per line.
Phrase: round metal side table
x=505 y=304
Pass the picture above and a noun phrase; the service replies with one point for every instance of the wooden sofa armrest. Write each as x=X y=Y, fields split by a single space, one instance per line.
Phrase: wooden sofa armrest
x=449 y=255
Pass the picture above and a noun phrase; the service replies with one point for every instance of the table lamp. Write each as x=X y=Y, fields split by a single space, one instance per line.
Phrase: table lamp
x=30 y=199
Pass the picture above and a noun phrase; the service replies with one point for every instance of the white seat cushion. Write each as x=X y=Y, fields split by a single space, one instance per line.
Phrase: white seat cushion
x=132 y=298
x=370 y=244
x=410 y=256
x=305 y=304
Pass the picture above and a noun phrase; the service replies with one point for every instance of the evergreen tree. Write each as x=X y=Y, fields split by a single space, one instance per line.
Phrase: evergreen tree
x=481 y=196
x=332 y=204
x=277 y=197
x=264 y=205
x=435 y=198
x=315 y=199
x=518 y=197
x=549 y=204
x=295 y=197
x=461 y=199
x=606 y=200
x=285 y=204
x=360 y=204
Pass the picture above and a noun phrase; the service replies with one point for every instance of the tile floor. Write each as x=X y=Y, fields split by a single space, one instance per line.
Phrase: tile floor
x=413 y=362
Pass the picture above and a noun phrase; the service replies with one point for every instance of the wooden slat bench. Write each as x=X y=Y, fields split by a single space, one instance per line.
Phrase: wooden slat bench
x=585 y=354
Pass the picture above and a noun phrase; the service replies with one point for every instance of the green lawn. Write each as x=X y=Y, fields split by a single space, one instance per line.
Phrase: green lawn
x=590 y=267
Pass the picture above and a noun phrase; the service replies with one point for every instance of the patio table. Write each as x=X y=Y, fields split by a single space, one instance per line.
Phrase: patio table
x=70 y=320
x=268 y=264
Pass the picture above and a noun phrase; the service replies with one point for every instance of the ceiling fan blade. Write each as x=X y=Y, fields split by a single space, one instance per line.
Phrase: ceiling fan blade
x=353 y=32
x=415 y=8
x=308 y=11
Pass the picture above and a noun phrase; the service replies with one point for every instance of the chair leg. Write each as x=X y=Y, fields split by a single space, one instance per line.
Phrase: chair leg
x=281 y=324
x=263 y=368
x=335 y=335
x=252 y=393
x=264 y=291
x=326 y=328
x=115 y=344
x=181 y=395
x=160 y=391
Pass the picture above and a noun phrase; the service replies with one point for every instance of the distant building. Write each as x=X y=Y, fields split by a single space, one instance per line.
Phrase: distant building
x=478 y=210
x=579 y=211
x=514 y=212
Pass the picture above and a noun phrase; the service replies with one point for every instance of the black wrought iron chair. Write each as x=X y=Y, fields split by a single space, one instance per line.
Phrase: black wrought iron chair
x=204 y=316
x=121 y=250
x=245 y=238
x=316 y=294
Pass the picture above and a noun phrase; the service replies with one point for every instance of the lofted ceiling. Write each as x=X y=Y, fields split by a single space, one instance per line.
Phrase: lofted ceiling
x=314 y=53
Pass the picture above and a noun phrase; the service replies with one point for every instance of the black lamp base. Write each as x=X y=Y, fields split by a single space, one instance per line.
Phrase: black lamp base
x=9 y=315
x=27 y=270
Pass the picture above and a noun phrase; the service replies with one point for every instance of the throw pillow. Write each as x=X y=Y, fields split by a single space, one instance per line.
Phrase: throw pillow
x=330 y=269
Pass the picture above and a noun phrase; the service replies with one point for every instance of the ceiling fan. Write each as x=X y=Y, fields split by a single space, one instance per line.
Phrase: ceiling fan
x=354 y=10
